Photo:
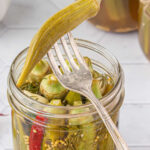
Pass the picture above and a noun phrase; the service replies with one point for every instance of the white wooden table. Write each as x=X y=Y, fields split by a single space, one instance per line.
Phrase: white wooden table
x=16 y=31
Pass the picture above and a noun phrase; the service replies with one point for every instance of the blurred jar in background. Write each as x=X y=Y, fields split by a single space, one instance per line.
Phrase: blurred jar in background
x=142 y=4
x=144 y=28
x=4 y=4
x=117 y=15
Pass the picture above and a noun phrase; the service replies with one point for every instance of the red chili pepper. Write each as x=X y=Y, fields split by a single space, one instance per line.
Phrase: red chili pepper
x=36 y=134
x=3 y=115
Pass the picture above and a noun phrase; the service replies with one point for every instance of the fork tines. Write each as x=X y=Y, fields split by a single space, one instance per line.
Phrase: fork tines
x=70 y=57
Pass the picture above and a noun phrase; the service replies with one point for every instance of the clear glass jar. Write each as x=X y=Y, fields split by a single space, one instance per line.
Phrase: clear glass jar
x=117 y=15
x=62 y=130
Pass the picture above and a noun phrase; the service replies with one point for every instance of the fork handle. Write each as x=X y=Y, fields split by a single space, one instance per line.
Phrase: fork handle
x=111 y=127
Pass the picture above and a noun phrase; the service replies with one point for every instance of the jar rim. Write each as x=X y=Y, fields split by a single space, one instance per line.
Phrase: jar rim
x=119 y=83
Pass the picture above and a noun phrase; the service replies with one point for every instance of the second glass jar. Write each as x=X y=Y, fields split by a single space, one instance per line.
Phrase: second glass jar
x=117 y=15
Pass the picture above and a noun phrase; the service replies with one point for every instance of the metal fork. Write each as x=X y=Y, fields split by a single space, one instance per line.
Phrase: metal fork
x=80 y=80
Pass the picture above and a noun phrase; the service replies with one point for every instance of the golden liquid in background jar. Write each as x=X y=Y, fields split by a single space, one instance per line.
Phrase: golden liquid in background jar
x=117 y=15
x=144 y=29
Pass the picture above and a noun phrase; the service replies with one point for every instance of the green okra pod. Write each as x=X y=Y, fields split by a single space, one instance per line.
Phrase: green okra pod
x=71 y=97
x=41 y=69
x=87 y=137
x=53 y=131
x=51 y=88
x=36 y=97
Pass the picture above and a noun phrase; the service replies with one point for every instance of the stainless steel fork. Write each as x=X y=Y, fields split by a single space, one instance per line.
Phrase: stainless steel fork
x=80 y=80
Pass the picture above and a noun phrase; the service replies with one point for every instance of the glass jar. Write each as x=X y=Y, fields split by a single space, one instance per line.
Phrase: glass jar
x=117 y=15
x=32 y=122
x=144 y=27
x=142 y=4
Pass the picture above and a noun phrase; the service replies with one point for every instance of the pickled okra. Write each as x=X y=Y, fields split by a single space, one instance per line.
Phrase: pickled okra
x=68 y=134
x=39 y=71
x=87 y=61
x=88 y=137
x=72 y=97
x=53 y=132
x=96 y=87
x=31 y=87
x=36 y=97
x=51 y=88
x=47 y=129
x=54 y=28
x=88 y=130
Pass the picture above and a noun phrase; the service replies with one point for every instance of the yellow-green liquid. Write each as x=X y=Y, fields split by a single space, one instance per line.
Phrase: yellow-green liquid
x=61 y=135
x=91 y=136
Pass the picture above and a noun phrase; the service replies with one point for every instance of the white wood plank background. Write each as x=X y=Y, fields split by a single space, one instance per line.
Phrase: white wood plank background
x=23 y=19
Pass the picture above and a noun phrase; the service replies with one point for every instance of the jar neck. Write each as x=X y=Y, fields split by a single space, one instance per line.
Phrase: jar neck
x=22 y=103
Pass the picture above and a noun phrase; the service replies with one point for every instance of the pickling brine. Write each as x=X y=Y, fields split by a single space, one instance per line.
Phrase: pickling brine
x=117 y=15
